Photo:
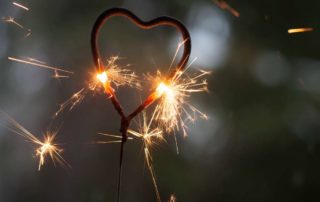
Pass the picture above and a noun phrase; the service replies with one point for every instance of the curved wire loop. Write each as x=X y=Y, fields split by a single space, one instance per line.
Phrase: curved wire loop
x=159 y=21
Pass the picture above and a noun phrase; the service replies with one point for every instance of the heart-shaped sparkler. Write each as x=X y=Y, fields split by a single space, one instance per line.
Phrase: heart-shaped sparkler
x=160 y=21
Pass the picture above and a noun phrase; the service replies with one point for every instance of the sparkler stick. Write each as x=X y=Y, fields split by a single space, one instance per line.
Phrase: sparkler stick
x=160 y=21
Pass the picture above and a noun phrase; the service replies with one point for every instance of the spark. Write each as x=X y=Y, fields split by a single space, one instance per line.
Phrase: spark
x=13 y=21
x=39 y=64
x=57 y=76
x=224 y=6
x=149 y=137
x=73 y=101
x=28 y=33
x=20 y=6
x=299 y=30
x=111 y=141
x=114 y=74
x=173 y=94
x=44 y=148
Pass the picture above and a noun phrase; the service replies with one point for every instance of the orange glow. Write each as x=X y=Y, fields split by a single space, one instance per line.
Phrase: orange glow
x=164 y=89
x=298 y=30
x=102 y=77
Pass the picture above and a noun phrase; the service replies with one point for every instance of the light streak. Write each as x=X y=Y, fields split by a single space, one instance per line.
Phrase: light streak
x=111 y=141
x=39 y=64
x=224 y=6
x=299 y=30
x=149 y=137
x=13 y=21
x=73 y=101
x=44 y=148
x=20 y=6
x=56 y=75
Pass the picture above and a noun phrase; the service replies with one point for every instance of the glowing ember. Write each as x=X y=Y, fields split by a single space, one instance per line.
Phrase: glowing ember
x=299 y=30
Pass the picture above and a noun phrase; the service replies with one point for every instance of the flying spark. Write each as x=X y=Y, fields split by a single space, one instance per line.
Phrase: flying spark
x=117 y=137
x=57 y=76
x=13 y=21
x=20 y=6
x=39 y=64
x=299 y=30
x=149 y=137
x=73 y=101
x=44 y=148
x=224 y=6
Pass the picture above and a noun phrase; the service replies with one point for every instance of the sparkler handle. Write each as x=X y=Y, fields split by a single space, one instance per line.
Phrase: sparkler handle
x=164 y=20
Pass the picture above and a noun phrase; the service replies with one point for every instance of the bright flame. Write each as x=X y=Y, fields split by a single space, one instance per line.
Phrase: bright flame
x=117 y=75
x=102 y=77
x=165 y=90
x=172 y=95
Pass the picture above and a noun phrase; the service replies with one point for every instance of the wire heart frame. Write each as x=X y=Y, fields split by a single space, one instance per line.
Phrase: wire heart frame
x=160 y=21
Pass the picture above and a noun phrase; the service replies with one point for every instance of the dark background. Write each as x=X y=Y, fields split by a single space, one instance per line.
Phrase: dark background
x=261 y=142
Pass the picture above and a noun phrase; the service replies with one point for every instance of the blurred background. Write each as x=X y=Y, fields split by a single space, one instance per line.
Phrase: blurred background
x=261 y=142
